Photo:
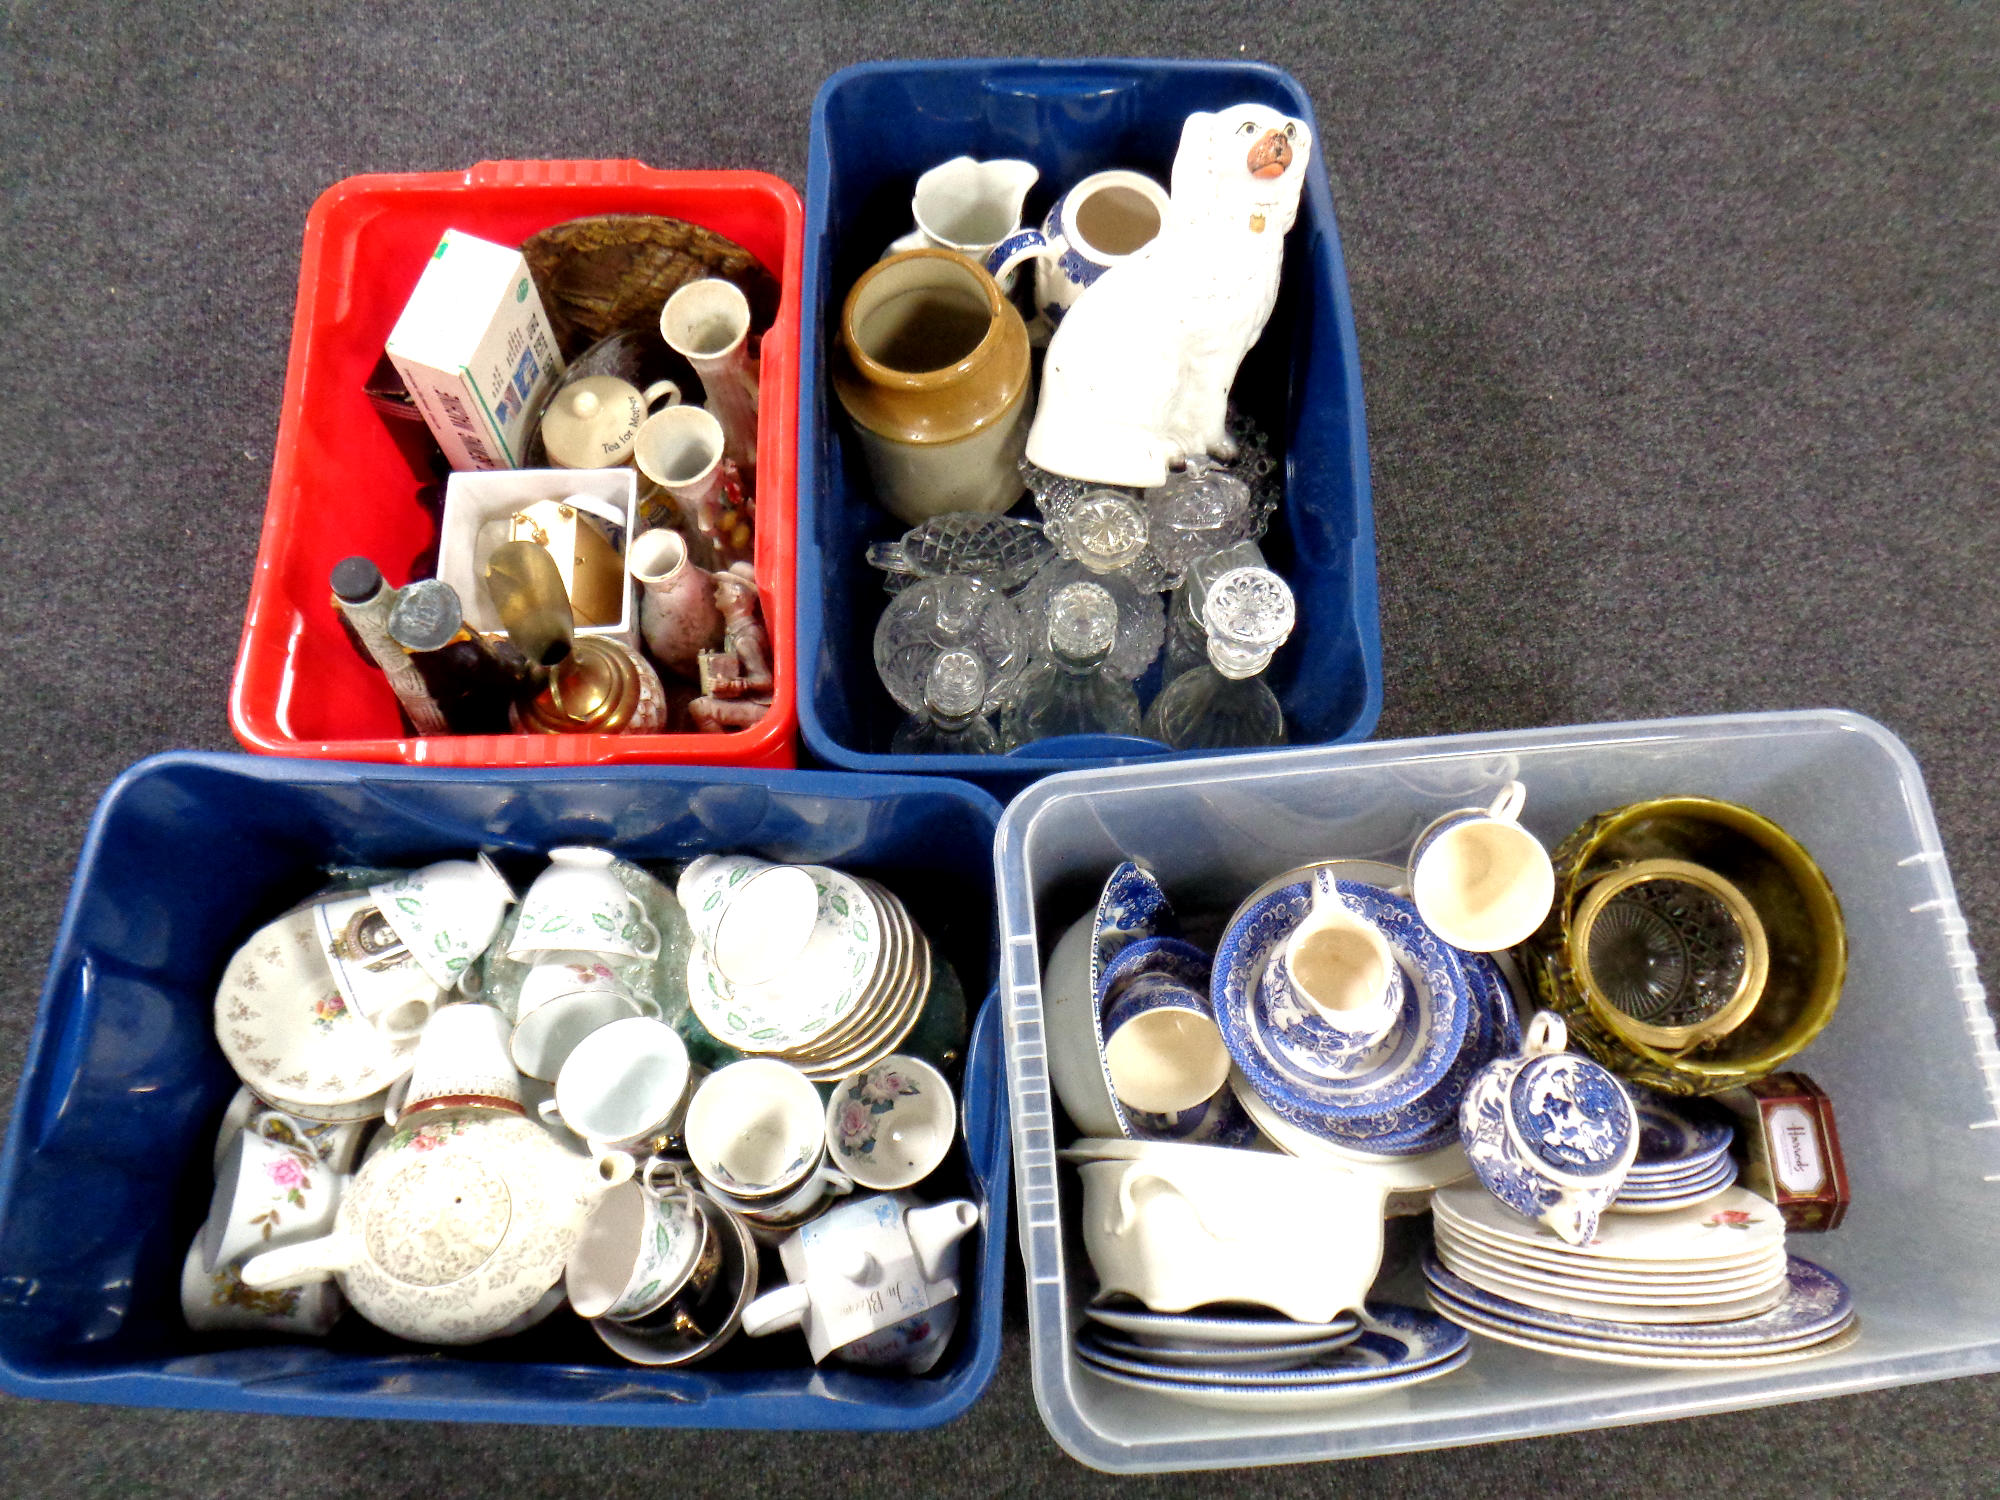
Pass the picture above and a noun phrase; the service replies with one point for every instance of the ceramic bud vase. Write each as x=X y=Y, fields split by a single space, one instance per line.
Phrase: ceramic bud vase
x=677 y=612
x=932 y=369
x=681 y=449
x=707 y=323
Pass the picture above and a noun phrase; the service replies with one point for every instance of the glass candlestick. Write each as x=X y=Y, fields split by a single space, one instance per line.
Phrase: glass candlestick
x=1069 y=690
x=1225 y=703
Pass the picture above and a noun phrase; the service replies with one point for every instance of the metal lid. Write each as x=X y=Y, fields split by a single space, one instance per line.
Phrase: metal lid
x=426 y=616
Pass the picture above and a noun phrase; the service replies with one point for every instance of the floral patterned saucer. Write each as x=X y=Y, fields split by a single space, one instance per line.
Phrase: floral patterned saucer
x=286 y=1030
x=811 y=998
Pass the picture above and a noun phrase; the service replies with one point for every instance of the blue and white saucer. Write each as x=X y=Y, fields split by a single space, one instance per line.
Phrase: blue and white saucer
x=1816 y=1306
x=1396 y=1341
x=1429 y=1123
x=1175 y=957
x=1673 y=1140
x=1251 y=1326
x=1219 y=1120
x=1252 y=1016
x=1214 y=1356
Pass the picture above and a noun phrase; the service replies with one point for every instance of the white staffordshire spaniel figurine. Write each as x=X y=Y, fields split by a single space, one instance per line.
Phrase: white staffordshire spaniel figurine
x=1138 y=374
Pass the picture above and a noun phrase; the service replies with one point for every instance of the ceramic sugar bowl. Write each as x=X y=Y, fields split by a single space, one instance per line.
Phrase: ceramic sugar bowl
x=455 y=1229
x=1551 y=1133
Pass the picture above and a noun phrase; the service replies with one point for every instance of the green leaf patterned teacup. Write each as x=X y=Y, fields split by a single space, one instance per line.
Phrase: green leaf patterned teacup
x=579 y=903
x=447 y=914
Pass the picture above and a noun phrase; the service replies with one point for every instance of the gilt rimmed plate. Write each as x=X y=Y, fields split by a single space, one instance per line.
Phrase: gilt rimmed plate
x=285 y=1028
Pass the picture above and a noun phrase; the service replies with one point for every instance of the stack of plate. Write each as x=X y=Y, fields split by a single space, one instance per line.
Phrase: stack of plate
x=847 y=1000
x=1253 y=1360
x=1709 y=1285
x=1400 y=1101
x=1683 y=1159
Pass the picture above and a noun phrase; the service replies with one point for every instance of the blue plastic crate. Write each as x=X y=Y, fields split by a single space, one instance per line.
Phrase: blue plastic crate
x=104 y=1175
x=875 y=127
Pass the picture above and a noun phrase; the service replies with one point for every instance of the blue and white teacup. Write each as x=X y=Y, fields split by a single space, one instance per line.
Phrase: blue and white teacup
x=1479 y=879
x=1551 y=1134
x=1162 y=1049
x=1088 y=230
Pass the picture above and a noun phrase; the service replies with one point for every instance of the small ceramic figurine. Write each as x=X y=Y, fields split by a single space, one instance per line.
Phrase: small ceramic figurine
x=736 y=682
x=1138 y=374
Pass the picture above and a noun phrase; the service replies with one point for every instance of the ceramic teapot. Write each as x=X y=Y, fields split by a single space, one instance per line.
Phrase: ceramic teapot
x=455 y=1229
x=871 y=1263
x=462 y=1221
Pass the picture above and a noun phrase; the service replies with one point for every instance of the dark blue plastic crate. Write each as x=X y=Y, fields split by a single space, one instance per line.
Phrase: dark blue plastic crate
x=875 y=127
x=104 y=1175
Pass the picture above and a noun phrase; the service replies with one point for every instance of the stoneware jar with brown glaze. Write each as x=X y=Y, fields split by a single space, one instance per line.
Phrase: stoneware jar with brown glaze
x=932 y=367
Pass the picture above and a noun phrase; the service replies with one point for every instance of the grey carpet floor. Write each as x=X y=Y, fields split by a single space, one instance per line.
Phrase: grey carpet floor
x=1677 y=326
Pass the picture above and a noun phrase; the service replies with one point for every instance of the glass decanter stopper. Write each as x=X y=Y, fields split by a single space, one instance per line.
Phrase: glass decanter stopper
x=1142 y=616
x=1069 y=690
x=1104 y=531
x=1004 y=551
x=1187 y=637
x=950 y=722
x=935 y=615
x=1225 y=703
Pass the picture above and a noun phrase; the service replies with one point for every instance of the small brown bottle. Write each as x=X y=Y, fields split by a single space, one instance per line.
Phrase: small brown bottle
x=473 y=686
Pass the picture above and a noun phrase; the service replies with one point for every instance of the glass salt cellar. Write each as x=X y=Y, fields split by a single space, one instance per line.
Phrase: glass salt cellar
x=1069 y=690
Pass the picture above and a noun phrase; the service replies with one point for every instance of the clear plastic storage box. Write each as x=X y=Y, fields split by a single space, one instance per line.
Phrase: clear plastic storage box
x=1909 y=1058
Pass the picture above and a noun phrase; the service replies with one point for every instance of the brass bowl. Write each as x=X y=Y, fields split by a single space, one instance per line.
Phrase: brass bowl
x=1805 y=938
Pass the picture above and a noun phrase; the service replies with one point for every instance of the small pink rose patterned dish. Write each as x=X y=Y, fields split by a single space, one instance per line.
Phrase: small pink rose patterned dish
x=287 y=1030
x=889 y=1126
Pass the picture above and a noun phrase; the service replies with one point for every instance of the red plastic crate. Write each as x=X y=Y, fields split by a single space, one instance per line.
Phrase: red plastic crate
x=340 y=485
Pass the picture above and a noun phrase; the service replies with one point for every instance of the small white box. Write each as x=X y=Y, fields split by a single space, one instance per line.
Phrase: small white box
x=476 y=351
x=473 y=501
